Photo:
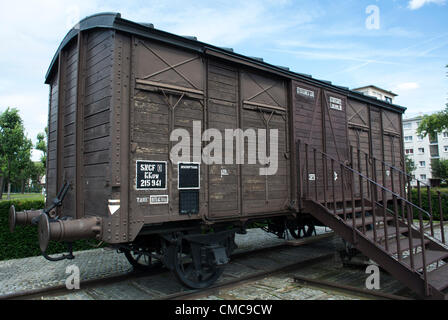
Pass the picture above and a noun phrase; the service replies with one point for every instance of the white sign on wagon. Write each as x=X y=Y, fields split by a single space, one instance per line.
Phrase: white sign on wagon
x=335 y=103
x=158 y=199
x=305 y=92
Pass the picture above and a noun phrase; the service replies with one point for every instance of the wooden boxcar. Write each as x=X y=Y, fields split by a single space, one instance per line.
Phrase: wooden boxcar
x=119 y=89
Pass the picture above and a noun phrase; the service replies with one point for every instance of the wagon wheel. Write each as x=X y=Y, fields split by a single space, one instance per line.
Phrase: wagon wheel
x=193 y=266
x=141 y=260
x=301 y=230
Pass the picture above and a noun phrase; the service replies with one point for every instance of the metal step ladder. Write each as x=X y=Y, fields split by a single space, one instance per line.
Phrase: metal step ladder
x=379 y=222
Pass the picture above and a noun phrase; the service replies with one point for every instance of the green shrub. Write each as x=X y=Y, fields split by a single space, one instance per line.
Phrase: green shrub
x=434 y=203
x=23 y=242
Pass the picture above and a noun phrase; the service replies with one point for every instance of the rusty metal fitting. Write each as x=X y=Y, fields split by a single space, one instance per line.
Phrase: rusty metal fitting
x=67 y=230
x=22 y=217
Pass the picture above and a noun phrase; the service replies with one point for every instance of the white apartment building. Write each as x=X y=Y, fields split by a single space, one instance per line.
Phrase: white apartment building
x=377 y=92
x=423 y=149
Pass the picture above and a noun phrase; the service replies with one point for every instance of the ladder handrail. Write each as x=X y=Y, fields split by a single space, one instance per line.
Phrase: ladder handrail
x=372 y=191
x=410 y=178
x=372 y=181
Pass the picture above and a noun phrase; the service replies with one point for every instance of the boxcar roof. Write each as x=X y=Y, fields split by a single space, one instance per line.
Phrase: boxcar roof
x=114 y=21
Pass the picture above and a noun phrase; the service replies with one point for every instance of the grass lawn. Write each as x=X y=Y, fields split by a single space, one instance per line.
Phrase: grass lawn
x=441 y=189
x=25 y=196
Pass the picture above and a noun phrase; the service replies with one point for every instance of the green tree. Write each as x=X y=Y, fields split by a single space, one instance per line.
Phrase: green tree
x=434 y=123
x=15 y=147
x=439 y=169
x=410 y=165
x=41 y=145
x=37 y=172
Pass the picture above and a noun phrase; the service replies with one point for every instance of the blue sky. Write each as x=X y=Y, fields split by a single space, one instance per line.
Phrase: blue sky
x=405 y=51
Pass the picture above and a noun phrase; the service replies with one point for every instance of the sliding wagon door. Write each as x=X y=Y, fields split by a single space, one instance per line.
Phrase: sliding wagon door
x=334 y=108
x=264 y=106
x=168 y=96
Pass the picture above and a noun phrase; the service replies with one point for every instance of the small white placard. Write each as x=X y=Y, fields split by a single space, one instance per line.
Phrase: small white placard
x=224 y=172
x=305 y=92
x=335 y=103
x=158 y=199
x=312 y=177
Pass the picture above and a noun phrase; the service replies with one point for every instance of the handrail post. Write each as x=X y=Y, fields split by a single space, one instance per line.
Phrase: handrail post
x=386 y=236
x=299 y=177
x=375 y=178
x=397 y=228
x=353 y=207
x=333 y=186
x=409 y=190
x=325 y=176
x=315 y=175
x=367 y=173
x=441 y=217
x=384 y=183
x=402 y=194
x=343 y=193
x=307 y=178
x=419 y=192
x=361 y=193
x=410 y=217
x=428 y=188
x=374 y=201
x=422 y=238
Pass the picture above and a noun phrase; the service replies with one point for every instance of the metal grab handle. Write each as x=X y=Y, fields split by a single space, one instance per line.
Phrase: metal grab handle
x=68 y=256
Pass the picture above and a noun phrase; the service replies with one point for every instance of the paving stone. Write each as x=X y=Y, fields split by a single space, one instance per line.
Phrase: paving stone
x=37 y=272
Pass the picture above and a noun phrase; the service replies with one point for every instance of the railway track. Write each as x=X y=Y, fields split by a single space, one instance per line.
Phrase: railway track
x=351 y=290
x=136 y=277
x=156 y=283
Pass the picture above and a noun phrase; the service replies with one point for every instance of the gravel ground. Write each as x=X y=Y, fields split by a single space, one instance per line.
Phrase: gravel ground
x=36 y=272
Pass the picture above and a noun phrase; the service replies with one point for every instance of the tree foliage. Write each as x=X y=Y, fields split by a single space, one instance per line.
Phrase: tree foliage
x=41 y=145
x=410 y=165
x=15 y=147
x=439 y=169
x=434 y=123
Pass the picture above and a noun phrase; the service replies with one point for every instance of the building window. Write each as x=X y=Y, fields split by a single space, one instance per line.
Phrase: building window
x=418 y=123
x=409 y=151
x=419 y=138
x=445 y=134
x=388 y=99
x=422 y=164
x=408 y=138
x=433 y=139
x=423 y=176
x=421 y=150
x=407 y=125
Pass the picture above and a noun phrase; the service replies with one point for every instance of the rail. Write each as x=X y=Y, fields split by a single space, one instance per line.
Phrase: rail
x=405 y=183
x=341 y=190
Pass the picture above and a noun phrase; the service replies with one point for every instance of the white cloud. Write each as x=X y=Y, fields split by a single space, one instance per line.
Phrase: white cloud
x=417 y=4
x=407 y=86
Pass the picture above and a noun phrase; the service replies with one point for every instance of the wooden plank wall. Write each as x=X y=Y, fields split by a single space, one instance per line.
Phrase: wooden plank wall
x=325 y=129
x=97 y=117
x=155 y=113
x=307 y=124
x=376 y=131
x=70 y=80
x=359 y=138
x=261 y=193
x=336 y=143
x=51 y=179
x=223 y=113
